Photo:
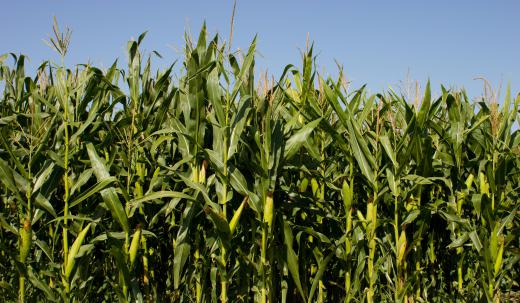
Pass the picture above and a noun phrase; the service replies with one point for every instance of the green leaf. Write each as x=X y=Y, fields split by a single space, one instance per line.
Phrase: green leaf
x=41 y=202
x=459 y=241
x=238 y=181
x=248 y=61
x=477 y=244
x=109 y=195
x=82 y=180
x=321 y=269
x=388 y=149
x=217 y=159
x=6 y=176
x=220 y=222
x=294 y=143
x=157 y=196
x=215 y=95
x=14 y=158
x=357 y=142
x=411 y=217
x=452 y=218
x=40 y=180
x=292 y=259
x=180 y=254
x=98 y=187
x=45 y=248
x=238 y=124
x=35 y=281
x=425 y=106
x=392 y=183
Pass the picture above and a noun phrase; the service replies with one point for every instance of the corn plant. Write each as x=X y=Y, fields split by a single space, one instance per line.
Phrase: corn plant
x=206 y=181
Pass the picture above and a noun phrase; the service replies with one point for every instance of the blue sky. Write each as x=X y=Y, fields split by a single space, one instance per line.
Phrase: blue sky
x=378 y=42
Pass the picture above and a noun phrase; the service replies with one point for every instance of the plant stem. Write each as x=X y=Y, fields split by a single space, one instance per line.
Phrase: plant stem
x=21 y=291
x=223 y=276
x=66 y=185
x=398 y=263
x=198 y=286
x=263 y=263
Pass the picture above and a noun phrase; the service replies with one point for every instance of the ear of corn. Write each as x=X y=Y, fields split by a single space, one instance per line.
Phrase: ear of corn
x=234 y=221
x=25 y=240
x=244 y=188
x=74 y=249
x=134 y=246
x=269 y=210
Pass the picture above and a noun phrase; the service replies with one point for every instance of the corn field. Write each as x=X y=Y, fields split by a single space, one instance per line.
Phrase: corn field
x=211 y=185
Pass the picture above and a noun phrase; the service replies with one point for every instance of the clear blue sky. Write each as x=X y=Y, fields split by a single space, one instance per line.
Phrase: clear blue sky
x=378 y=42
